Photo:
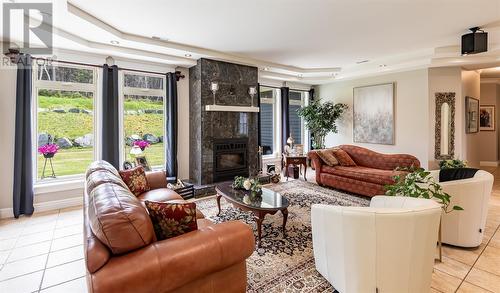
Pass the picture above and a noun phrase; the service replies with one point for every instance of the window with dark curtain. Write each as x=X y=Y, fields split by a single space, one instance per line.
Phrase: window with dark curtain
x=267 y=120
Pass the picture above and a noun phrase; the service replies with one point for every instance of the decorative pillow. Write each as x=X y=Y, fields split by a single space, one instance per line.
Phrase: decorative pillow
x=172 y=219
x=328 y=157
x=136 y=180
x=343 y=157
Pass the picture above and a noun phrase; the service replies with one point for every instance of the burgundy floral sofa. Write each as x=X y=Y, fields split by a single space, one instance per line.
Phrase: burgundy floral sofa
x=372 y=171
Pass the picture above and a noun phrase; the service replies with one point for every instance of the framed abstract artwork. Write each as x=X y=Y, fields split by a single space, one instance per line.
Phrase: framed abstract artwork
x=373 y=117
x=487 y=118
x=471 y=115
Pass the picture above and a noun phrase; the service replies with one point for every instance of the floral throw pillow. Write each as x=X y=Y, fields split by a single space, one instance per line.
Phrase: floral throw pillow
x=135 y=179
x=343 y=158
x=172 y=219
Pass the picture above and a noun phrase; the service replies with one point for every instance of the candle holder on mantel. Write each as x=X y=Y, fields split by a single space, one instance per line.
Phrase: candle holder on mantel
x=252 y=91
x=214 y=87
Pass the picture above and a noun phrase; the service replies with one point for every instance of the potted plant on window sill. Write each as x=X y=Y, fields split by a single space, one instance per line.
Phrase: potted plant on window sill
x=420 y=183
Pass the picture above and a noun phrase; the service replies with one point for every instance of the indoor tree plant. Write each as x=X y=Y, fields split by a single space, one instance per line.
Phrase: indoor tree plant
x=320 y=119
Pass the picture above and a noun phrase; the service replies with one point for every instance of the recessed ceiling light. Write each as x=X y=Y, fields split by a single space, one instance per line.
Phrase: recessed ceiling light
x=382 y=65
x=159 y=38
x=187 y=55
x=114 y=42
x=266 y=68
x=300 y=76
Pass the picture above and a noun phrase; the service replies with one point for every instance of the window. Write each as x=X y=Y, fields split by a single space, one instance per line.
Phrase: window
x=64 y=106
x=300 y=134
x=143 y=100
x=268 y=120
x=296 y=125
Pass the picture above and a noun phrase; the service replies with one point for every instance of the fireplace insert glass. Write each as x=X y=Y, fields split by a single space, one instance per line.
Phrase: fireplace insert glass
x=230 y=161
x=230 y=158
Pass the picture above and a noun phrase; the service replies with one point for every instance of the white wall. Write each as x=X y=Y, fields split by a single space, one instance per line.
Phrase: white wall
x=7 y=125
x=183 y=124
x=490 y=93
x=471 y=147
x=411 y=114
x=445 y=79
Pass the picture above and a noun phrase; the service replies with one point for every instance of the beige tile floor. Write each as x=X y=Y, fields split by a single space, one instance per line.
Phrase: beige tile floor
x=44 y=253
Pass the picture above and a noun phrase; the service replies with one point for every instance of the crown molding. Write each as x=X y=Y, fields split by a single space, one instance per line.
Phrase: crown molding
x=494 y=80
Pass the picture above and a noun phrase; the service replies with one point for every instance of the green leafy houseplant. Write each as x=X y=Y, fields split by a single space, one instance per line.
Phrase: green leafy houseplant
x=452 y=164
x=420 y=183
x=320 y=119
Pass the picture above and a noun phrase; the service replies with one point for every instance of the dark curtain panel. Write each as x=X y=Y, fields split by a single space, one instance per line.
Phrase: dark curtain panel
x=23 y=169
x=110 y=124
x=285 y=119
x=171 y=128
x=259 y=138
x=311 y=95
x=311 y=98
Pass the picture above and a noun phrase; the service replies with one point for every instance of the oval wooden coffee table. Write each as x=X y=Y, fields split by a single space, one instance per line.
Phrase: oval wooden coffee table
x=269 y=202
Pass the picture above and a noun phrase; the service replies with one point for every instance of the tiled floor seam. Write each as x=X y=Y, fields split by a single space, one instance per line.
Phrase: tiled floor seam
x=477 y=259
x=10 y=252
x=47 y=260
x=61 y=283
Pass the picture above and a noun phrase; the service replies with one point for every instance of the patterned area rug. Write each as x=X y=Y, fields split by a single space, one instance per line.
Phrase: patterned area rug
x=285 y=264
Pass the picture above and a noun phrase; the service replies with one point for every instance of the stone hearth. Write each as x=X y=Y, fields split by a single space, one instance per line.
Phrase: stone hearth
x=207 y=127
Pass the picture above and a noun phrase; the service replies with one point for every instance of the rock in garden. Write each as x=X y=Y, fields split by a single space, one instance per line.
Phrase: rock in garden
x=135 y=137
x=150 y=138
x=74 y=110
x=59 y=111
x=43 y=139
x=160 y=138
x=64 y=143
x=159 y=111
x=149 y=111
x=85 y=141
x=84 y=111
x=131 y=112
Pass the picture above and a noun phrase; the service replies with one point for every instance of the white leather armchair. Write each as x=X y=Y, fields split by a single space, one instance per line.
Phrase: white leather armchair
x=389 y=246
x=466 y=228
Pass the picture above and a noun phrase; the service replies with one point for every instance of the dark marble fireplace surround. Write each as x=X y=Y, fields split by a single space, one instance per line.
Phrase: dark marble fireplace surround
x=207 y=127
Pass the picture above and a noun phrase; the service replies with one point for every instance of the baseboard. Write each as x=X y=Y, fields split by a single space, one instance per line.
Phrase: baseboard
x=47 y=206
x=489 y=163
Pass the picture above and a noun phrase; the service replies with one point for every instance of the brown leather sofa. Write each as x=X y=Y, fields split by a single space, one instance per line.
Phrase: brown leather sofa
x=123 y=255
x=372 y=171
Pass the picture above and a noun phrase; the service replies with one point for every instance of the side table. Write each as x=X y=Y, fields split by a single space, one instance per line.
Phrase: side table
x=300 y=160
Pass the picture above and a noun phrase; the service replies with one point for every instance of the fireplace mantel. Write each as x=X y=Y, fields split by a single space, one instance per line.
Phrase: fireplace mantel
x=221 y=108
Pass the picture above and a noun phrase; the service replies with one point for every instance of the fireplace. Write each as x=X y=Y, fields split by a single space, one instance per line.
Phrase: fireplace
x=230 y=158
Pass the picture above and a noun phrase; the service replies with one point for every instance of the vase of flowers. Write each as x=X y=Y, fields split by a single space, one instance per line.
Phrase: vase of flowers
x=48 y=150
x=250 y=184
x=142 y=144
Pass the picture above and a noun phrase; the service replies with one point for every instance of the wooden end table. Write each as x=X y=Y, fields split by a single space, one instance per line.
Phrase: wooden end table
x=294 y=160
x=269 y=202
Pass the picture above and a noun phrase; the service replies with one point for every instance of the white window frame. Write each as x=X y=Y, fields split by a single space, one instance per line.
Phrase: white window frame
x=276 y=121
x=123 y=90
x=64 y=86
x=304 y=101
